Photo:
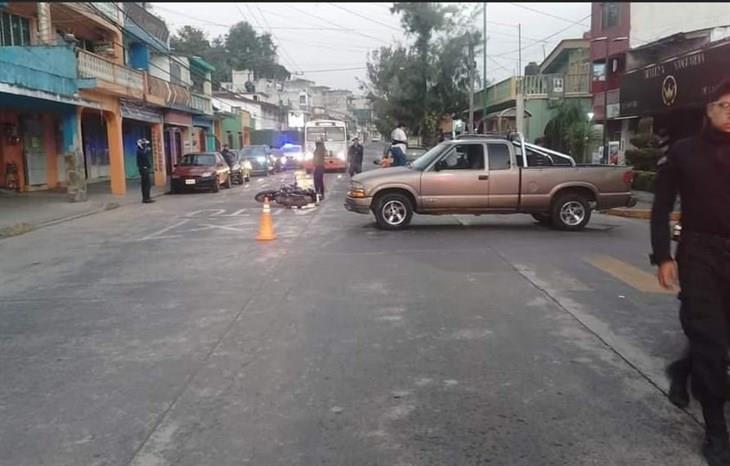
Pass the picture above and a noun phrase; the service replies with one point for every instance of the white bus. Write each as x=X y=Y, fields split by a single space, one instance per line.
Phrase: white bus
x=334 y=135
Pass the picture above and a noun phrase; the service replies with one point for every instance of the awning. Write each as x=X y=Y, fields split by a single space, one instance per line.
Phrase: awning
x=203 y=122
x=506 y=113
x=178 y=118
x=135 y=111
x=679 y=82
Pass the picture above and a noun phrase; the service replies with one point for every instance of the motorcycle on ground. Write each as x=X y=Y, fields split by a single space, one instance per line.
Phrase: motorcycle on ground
x=291 y=195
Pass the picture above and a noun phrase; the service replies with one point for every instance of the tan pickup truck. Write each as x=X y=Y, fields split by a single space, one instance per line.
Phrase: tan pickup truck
x=488 y=174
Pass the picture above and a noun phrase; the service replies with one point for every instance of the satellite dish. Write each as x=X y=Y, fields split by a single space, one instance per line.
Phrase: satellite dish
x=249 y=86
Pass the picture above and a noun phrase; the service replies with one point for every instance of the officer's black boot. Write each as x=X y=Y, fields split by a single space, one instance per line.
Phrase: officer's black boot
x=678 y=373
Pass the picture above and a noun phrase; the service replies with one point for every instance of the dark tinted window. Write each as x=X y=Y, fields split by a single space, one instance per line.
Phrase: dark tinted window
x=14 y=30
x=498 y=156
x=464 y=157
x=198 y=160
x=610 y=15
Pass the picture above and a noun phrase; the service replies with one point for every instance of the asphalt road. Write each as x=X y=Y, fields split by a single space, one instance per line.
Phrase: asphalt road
x=164 y=334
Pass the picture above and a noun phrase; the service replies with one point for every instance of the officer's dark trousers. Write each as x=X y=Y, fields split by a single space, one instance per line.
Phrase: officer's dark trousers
x=704 y=275
x=318 y=176
x=146 y=185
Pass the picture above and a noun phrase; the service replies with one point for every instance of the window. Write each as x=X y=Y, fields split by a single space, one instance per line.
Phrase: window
x=464 y=157
x=609 y=16
x=303 y=99
x=229 y=135
x=14 y=30
x=240 y=139
x=499 y=158
x=175 y=73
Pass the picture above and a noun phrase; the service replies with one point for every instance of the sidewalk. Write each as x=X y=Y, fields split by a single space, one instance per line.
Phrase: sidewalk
x=23 y=212
x=642 y=209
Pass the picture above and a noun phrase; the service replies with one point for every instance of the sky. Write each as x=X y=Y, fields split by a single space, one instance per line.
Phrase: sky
x=329 y=42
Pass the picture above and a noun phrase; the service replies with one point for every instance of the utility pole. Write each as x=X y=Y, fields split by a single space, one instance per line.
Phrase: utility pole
x=484 y=69
x=520 y=107
x=471 y=85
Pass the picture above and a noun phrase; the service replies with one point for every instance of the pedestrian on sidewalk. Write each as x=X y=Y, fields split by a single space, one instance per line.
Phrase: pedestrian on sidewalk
x=354 y=156
x=698 y=169
x=144 y=165
x=318 y=161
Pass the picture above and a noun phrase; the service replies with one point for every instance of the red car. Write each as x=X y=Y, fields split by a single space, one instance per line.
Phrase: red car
x=205 y=170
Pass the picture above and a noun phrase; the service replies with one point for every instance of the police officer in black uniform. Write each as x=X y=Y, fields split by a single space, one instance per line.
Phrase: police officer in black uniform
x=144 y=165
x=698 y=169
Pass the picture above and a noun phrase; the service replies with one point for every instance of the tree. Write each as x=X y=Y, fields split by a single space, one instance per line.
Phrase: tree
x=569 y=131
x=241 y=49
x=418 y=84
x=190 y=41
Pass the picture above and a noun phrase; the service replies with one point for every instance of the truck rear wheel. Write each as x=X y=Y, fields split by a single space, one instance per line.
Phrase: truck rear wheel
x=393 y=211
x=571 y=211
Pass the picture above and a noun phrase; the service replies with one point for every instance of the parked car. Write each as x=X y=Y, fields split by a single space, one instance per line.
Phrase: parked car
x=480 y=174
x=258 y=156
x=204 y=170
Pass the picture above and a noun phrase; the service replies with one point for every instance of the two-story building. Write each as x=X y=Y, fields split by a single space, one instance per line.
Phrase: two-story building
x=564 y=75
x=656 y=61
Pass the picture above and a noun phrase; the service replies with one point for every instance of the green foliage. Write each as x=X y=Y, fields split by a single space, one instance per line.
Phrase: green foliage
x=569 y=131
x=645 y=155
x=416 y=84
x=644 y=180
x=241 y=49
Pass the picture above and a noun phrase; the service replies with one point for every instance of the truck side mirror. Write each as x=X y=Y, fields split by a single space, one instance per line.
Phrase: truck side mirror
x=440 y=165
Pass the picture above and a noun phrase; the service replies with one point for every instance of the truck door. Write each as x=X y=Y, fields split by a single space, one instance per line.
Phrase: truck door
x=504 y=177
x=458 y=180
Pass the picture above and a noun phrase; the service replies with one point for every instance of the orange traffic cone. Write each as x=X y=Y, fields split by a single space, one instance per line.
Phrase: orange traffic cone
x=266 y=231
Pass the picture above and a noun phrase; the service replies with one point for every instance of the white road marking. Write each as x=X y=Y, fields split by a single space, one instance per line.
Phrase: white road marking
x=210 y=226
x=219 y=211
x=157 y=234
x=239 y=212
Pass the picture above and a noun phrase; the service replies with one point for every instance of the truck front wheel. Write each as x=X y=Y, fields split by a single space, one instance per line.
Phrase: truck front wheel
x=393 y=211
x=571 y=212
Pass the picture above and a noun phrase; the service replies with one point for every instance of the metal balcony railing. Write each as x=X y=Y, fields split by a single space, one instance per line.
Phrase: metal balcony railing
x=201 y=103
x=148 y=22
x=93 y=66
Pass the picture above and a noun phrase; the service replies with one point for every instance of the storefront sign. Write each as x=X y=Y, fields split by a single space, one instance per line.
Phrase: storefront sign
x=135 y=111
x=178 y=118
x=681 y=82
x=202 y=122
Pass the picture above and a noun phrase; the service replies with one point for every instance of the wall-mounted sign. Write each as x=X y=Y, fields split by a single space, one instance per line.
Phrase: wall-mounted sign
x=681 y=82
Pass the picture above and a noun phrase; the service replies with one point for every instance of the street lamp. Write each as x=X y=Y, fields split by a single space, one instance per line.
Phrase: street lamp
x=605 y=90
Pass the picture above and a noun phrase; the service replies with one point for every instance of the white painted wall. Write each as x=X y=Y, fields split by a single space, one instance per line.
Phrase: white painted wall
x=652 y=21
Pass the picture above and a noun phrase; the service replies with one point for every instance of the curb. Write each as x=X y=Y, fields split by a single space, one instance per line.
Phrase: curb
x=642 y=214
x=22 y=228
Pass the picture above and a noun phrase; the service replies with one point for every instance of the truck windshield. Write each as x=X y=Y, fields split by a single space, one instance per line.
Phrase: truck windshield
x=425 y=160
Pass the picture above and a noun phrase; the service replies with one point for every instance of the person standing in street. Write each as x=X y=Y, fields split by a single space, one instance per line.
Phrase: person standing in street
x=228 y=156
x=355 y=155
x=318 y=161
x=399 y=145
x=698 y=169
x=144 y=165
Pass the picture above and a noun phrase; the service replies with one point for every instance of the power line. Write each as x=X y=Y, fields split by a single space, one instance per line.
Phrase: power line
x=283 y=50
x=336 y=25
x=365 y=17
x=336 y=69
x=551 y=15
x=544 y=39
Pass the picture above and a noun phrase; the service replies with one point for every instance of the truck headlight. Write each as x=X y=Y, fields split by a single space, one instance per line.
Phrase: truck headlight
x=356 y=190
x=207 y=174
x=341 y=156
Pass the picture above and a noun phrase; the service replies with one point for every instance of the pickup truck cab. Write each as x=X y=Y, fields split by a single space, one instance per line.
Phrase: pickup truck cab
x=491 y=174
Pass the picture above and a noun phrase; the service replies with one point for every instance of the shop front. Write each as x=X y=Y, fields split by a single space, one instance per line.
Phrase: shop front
x=139 y=121
x=177 y=137
x=673 y=93
x=203 y=134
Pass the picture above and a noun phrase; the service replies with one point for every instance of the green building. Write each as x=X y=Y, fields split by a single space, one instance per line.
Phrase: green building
x=563 y=75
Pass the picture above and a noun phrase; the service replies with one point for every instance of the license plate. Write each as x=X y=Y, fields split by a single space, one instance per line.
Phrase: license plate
x=189 y=181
